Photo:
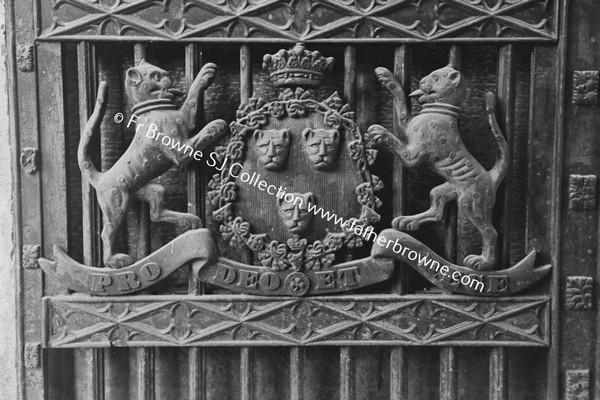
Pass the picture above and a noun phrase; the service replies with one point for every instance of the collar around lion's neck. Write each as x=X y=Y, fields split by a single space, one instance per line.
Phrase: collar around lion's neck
x=440 y=108
x=151 y=105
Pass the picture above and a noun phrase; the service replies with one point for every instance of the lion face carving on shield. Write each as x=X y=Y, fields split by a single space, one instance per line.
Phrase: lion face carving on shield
x=272 y=147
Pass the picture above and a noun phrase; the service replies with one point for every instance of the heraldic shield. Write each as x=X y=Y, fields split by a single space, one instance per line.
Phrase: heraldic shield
x=294 y=178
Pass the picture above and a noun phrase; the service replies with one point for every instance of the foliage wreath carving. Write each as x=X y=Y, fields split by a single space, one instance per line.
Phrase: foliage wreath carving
x=296 y=253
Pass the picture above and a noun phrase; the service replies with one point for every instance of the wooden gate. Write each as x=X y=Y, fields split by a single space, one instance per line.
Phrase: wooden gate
x=401 y=338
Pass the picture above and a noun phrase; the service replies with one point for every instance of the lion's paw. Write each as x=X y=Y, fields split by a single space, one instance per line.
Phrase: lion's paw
x=377 y=133
x=384 y=75
x=405 y=224
x=190 y=221
x=477 y=262
x=217 y=127
x=207 y=75
x=118 y=261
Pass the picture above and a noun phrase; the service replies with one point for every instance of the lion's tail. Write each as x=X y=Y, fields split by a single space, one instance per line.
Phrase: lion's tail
x=93 y=124
x=498 y=172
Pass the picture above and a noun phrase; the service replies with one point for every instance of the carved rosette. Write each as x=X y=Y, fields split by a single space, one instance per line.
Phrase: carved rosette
x=295 y=253
x=579 y=292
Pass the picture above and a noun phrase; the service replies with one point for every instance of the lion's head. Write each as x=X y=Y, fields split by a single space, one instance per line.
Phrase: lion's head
x=444 y=85
x=148 y=82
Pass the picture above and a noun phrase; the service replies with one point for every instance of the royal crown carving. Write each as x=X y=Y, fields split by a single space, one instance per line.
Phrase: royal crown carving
x=297 y=67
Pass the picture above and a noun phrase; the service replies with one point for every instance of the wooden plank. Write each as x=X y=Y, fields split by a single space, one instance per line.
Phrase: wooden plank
x=543 y=232
x=296 y=373
x=27 y=191
x=12 y=87
x=346 y=374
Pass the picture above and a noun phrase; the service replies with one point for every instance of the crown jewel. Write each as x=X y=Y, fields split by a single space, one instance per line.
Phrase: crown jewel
x=297 y=67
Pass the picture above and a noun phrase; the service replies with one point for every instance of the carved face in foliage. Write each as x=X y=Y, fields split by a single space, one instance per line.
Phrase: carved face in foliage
x=322 y=147
x=272 y=147
x=295 y=214
x=444 y=85
x=147 y=82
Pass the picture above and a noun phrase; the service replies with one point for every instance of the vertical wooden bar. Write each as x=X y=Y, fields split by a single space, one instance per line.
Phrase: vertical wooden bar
x=88 y=81
x=143 y=232
x=498 y=373
x=17 y=223
x=401 y=67
x=346 y=361
x=398 y=356
x=450 y=217
x=54 y=202
x=350 y=76
x=554 y=360
x=346 y=374
x=145 y=373
x=196 y=356
x=543 y=198
x=246 y=376
x=245 y=74
x=398 y=373
x=193 y=63
x=506 y=100
x=498 y=389
x=554 y=356
x=448 y=365
x=28 y=195
x=296 y=373
x=246 y=356
x=145 y=356
x=245 y=94
x=448 y=374
x=197 y=374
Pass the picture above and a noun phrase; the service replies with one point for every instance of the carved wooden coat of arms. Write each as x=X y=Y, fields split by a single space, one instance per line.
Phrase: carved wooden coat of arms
x=294 y=199
x=294 y=177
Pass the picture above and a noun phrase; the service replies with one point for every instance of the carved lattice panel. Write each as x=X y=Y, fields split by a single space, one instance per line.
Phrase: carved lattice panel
x=304 y=20
x=230 y=321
